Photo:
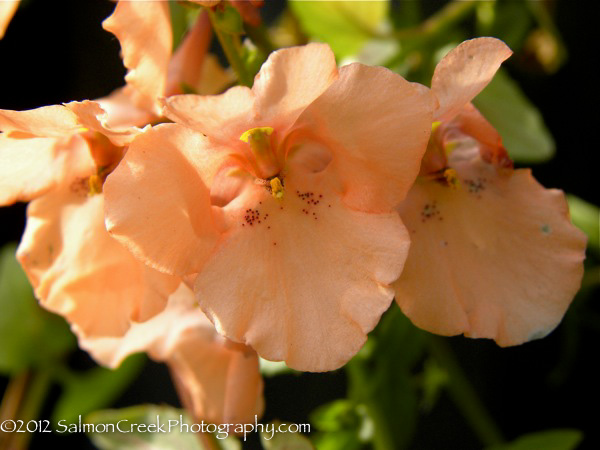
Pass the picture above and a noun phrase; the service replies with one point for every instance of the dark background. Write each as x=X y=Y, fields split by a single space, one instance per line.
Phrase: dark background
x=57 y=51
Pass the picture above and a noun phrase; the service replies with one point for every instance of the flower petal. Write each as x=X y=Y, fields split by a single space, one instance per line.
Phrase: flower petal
x=30 y=167
x=291 y=79
x=301 y=280
x=497 y=258
x=78 y=271
x=157 y=200
x=218 y=381
x=91 y=115
x=144 y=31
x=377 y=126
x=222 y=117
x=7 y=11
x=464 y=72
x=47 y=121
x=122 y=111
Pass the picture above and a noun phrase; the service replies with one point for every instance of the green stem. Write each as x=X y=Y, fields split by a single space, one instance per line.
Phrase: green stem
x=230 y=45
x=31 y=406
x=358 y=381
x=464 y=396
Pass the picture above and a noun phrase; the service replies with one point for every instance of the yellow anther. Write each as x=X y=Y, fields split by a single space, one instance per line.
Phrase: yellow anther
x=94 y=185
x=435 y=125
x=452 y=178
x=83 y=129
x=256 y=133
x=276 y=188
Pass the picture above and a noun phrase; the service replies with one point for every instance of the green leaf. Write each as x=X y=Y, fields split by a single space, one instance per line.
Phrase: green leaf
x=31 y=336
x=272 y=440
x=547 y=440
x=518 y=121
x=341 y=425
x=154 y=427
x=345 y=25
x=586 y=217
x=183 y=16
x=94 y=389
x=273 y=368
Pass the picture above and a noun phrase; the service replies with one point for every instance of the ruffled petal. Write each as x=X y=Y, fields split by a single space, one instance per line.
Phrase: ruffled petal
x=377 y=125
x=498 y=258
x=222 y=117
x=78 y=271
x=91 y=116
x=303 y=279
x=157 y=200
x=290 y=80
x=464 y=72
x=47 y=121
x=29 y=167
x=218 y=381
x=144 y=31
x=122 y=110
x=7 y=11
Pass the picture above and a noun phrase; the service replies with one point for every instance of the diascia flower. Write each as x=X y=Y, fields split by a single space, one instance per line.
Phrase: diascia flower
x=281 y=198
x=493 y=253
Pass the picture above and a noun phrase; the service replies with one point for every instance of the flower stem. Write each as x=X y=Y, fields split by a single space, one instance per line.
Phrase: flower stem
x=230 y=45
x=358 y=385
x=464 y=396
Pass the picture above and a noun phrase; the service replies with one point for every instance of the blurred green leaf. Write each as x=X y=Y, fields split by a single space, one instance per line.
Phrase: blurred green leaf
x=382 y=379
x=94 y=389
x=506 y=20
x=283 y=441
x=273 y=368
x=30 y=335
x=157 y=434
x=546 y=440
x=434 y=380
x=345 y=25
x=586 y=217
x=518 y=121
x=340 y=426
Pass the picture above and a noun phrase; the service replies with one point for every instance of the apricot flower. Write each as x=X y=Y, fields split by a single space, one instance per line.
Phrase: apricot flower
x=218 y=380
x=493 y=253
x=56 y=156
x=281 y=198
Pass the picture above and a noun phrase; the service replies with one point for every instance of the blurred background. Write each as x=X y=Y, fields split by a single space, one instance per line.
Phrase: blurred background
x=56 y=52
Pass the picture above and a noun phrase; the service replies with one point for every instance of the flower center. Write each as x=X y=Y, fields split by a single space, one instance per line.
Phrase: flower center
x=265 y=160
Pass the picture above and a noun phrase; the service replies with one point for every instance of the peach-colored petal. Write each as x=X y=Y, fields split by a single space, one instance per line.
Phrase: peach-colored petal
x=29 y=167
x=122 y=110
x=157 y=200
x=303 y=279
x=497 y=258
x=47 y=121
x=290 y=80
x=7 y=11
x=464 y=72
x=186 y=64
x=223 y=117
x=78 y=271
x=91 y=116
x=376 y=124
x=248 y=10
x=144 y=31
x=218 y=381
x=207 y=3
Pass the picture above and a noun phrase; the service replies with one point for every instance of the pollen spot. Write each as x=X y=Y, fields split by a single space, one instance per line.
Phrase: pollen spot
x=476 y=186
x=546 y=229
x=430 y=210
